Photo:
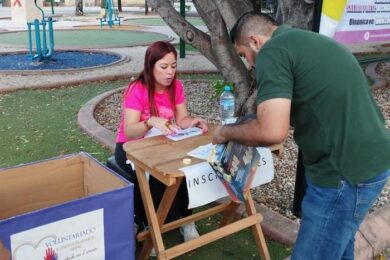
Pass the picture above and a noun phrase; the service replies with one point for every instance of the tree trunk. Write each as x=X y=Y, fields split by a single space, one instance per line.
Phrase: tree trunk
x=219 y=16
x=79 y=7
x=297 y=13
x=227 y=61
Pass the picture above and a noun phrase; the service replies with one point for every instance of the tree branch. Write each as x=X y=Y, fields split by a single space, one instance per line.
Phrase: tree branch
x=296 y=13
x=231 y=10
x=183 y=28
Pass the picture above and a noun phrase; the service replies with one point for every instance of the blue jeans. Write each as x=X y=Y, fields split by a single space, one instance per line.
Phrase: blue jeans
x=331 y=218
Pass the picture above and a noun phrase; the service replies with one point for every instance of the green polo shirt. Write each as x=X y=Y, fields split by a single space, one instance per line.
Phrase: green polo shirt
x=337 y=124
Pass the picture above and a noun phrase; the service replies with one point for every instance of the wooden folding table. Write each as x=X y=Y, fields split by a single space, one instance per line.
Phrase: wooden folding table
x=163 y=158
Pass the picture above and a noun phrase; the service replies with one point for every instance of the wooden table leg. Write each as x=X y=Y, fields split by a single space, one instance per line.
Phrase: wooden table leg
x=229 y=213
x=155 y=220
x=167 y=200
x=256 y=229
x=150 y=214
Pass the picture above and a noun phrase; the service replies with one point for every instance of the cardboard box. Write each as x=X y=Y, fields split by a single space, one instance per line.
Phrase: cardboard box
x=70 y=207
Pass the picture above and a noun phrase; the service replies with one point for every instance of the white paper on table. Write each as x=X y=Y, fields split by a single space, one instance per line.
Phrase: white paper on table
x=204 y=186
x=202 y=152
x=185 y=133
x=153 y=132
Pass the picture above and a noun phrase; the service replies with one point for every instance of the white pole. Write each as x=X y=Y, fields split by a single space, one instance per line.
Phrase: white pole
x=23 y=11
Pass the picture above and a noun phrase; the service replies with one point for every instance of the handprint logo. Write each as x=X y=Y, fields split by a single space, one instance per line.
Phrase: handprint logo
x=50 y=254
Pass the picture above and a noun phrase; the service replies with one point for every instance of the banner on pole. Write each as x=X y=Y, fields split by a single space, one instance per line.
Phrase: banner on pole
x=356 y=21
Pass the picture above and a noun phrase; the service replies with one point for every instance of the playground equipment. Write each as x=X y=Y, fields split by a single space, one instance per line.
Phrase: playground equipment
x=111 y=15
x=43 y=52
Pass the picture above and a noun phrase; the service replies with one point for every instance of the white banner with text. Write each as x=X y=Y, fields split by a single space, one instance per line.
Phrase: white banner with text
x=356 y=21
x=204 y=186
x=80 y=237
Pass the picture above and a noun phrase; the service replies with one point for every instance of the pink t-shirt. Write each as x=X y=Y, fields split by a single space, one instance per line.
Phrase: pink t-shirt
x=137 y=99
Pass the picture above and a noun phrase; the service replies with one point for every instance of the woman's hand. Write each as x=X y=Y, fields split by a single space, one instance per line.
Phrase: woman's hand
x=201 y=123
x=164 y=125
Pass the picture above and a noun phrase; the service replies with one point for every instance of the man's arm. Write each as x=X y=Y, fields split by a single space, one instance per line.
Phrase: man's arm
x=270 y=127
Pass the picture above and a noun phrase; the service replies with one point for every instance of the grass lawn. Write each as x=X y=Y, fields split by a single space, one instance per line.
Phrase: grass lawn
x=86 y=38
x=239 y=246
x=367 y=58
x=40 y=124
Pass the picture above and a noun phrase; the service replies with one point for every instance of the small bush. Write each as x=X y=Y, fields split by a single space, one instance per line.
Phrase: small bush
x=219 y=86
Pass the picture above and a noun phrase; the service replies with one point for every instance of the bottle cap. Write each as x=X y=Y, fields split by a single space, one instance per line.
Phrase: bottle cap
x=187 y=161
x=228 y=88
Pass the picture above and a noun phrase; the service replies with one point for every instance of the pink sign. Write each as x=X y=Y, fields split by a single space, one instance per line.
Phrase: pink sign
x=362 y=36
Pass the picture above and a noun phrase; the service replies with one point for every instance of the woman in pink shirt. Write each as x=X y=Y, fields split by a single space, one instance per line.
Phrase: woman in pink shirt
x=156 y=99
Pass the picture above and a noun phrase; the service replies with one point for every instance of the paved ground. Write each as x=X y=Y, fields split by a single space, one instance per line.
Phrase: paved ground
x=11 y=81
x=194 y=62
x=374 y=234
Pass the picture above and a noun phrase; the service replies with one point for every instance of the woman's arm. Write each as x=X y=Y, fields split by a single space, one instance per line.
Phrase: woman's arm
x=134 y=128
x=185 y=121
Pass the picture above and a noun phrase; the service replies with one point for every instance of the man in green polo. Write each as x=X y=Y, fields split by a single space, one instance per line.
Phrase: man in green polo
x=316 y=85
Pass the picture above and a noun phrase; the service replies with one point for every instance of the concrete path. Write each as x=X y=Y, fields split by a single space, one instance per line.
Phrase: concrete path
x=194 y=62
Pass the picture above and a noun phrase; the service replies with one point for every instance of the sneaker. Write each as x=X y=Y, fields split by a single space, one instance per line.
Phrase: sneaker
x=189 y=231
x=153 y=253
x=136 y=228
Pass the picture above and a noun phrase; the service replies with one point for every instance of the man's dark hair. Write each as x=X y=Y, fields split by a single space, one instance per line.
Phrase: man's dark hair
x=260 y=21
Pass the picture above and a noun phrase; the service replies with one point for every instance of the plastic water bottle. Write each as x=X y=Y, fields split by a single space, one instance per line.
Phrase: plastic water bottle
x=226 y=106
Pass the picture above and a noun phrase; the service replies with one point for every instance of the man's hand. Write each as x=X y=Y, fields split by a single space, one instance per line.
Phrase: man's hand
x=218 y=138
x=4 y=253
